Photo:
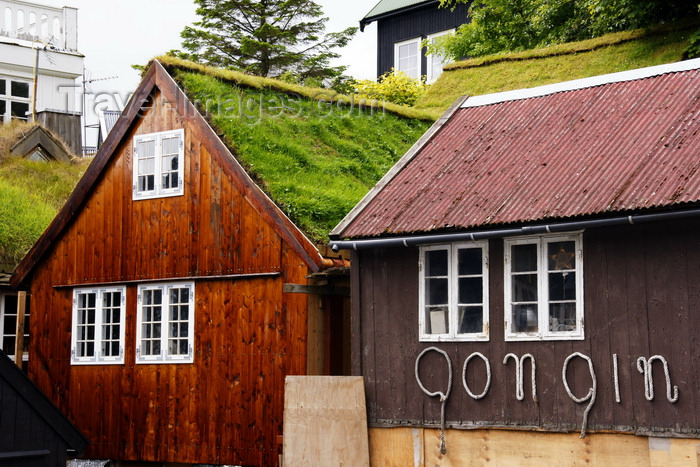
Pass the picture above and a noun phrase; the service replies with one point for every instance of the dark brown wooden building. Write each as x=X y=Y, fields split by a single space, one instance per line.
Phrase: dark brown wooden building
x=534 y=261
x=164 y=312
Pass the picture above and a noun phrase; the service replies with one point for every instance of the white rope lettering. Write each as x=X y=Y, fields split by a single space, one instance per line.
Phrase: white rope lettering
x=519 y=364
x=591 y=392
x=443 y=395
x=488 y=375
x=644 y=367
x=616 y=379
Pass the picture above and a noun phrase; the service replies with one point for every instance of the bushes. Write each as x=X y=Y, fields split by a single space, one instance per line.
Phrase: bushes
x=693 y=49
x=393 y=86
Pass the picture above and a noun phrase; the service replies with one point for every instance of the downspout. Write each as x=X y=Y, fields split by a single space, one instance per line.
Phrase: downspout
x=415 y=240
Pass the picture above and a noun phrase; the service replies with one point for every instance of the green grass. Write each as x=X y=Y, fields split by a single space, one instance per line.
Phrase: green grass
x=607 y=54
x=31 y=194
x=316 y=163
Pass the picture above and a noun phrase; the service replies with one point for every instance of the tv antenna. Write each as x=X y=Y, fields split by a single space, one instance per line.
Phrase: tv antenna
x=87 y=85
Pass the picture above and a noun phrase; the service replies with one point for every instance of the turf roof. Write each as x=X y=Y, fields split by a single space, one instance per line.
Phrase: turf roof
x=312 y=152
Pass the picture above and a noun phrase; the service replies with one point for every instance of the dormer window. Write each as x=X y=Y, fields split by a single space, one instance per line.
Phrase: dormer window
x=158 y=164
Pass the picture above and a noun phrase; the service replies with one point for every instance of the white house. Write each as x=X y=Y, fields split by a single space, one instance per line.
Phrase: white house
x=31 y=35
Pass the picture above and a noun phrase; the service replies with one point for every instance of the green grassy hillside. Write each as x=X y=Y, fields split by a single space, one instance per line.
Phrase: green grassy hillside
x=607 y=54
x=31 y=193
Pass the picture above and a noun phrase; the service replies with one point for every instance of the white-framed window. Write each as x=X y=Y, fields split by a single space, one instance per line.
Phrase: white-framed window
x=8 y=326
x=543 y=287
x=453 y=292
x=407 y=55
x=97 y=336
x=14 y=99
x=159 y=164
x=165 y=323
x=436 y=62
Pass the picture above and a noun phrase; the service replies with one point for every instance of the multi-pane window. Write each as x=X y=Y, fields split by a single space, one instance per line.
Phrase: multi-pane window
x=98 y=326
x=435 y=61
x=453 y=292
x=165 y=323
x=544 y=287
x=14 y=99
x=8 y=326
x=158 y=164
x=407 y=57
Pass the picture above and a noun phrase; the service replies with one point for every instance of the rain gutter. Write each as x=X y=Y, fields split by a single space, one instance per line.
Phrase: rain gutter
x=415 y=240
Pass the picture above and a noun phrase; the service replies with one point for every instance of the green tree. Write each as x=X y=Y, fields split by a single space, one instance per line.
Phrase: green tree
x=265 y=38
x=512 y=25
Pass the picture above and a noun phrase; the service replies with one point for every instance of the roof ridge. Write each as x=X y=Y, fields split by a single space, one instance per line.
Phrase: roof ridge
x=582 y=83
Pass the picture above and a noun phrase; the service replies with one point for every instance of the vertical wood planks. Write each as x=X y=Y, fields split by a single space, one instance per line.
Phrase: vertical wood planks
x=226 y=407
x=641 y=298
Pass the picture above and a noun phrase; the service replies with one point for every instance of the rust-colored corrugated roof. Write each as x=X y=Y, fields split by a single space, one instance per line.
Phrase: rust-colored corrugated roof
x=616 y=143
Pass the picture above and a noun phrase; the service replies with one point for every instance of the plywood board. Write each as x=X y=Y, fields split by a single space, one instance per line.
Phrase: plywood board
x=325 y=422
x=418 y=447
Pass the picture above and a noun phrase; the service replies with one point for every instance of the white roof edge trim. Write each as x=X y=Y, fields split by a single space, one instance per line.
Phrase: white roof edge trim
x=583 y=83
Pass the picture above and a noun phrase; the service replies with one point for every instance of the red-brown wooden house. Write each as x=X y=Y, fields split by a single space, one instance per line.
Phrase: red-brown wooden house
x=164 y=308
x=545 y=243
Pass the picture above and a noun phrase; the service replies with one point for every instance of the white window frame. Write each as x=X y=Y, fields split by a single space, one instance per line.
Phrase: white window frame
x=98 y=358
x=543 y=331
x=165 y=322
x=159 y=191
x=431 y=58
x=419 y=53
x=12 y=332
x=8 y=98
x=453 y=294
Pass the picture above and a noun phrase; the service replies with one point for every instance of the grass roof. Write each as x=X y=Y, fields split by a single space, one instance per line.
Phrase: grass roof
x=31 y=194
x=606 y=54
x=314 y=153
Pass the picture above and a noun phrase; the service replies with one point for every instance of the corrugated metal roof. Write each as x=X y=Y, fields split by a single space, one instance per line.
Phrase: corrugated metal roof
x=387 y=6
x=108 y=118
x=618 y=145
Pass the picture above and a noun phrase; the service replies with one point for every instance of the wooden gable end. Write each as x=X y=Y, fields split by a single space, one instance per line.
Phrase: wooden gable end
x=210 y=230
x=202 y=233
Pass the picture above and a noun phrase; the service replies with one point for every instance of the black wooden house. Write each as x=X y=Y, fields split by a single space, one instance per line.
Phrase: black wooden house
x=401 y=27
x=33 y=432
x=529 y=272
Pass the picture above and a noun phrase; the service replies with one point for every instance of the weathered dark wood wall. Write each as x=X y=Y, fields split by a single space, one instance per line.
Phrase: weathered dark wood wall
x=642 y=288
x=226 y=407
x=415 y=23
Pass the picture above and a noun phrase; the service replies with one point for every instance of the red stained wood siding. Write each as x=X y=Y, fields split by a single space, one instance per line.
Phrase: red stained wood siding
x=226 y=407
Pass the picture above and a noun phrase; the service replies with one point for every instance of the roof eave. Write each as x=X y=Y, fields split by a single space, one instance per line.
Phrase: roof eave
x=523 y=228
x=388 y=14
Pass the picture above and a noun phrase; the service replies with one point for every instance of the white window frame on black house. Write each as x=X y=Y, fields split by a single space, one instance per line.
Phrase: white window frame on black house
x=538 y=283
x=442 y=314
x=13 y=94
x=8 y=325
x=97 y=336
x=435 y=59
x=158 y=165
x=399 y=47
x=165 y=323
